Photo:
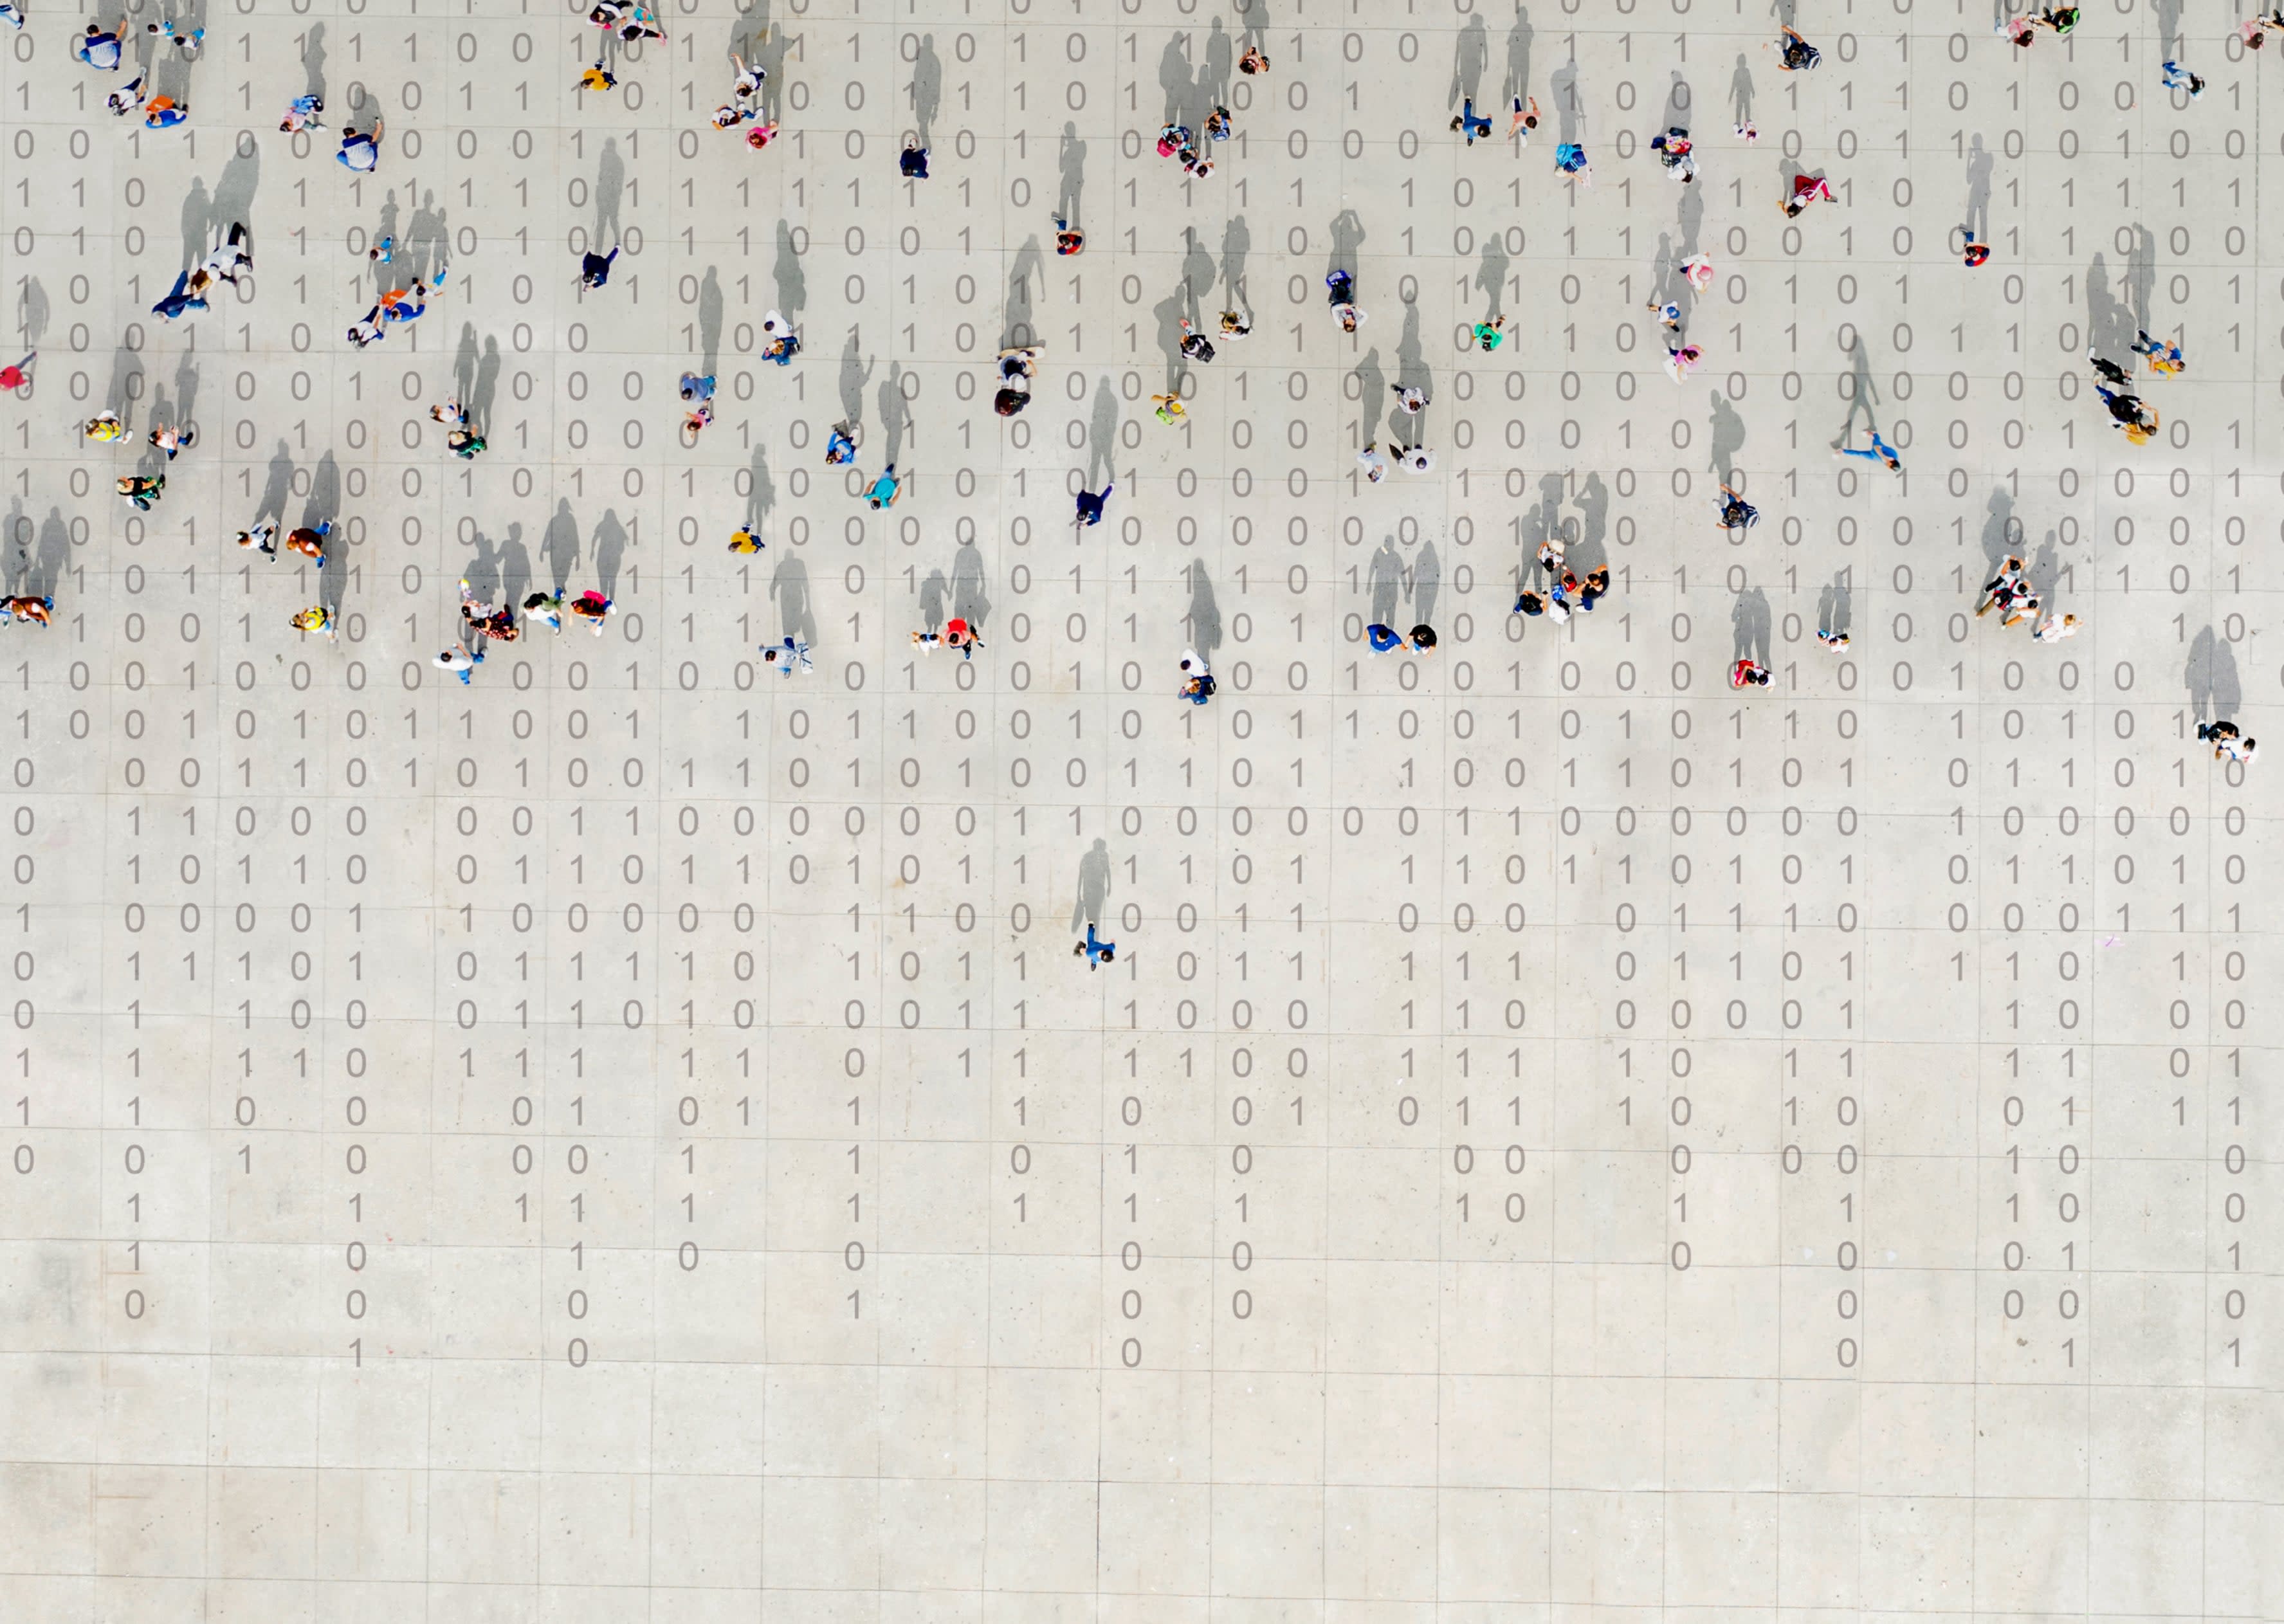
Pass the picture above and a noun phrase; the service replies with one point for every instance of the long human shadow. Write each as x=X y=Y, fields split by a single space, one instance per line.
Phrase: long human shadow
x=1727 y=439
x=761 y=492
x=927 y=87
x=1236 y=244
x=610 y=549
x=1863 y=395
x=1102 y=435
x=789 y=586
x=126 y=386
x=1741 y=91
x=1517 y=82
x=1070 y=189
x=1203 y=620
x=1094 y=887
x=1491 y=275
x=2216 y=691
x=1372 y=398
x=558 y=546
x=1471 y=58
x=1676 y=103
x=475 y=376
x=610 y=194
x=313 y=61
x=896 y=412
x=856 y=372
x=709 y=323
x=934 y=588
x=1836 y=605
x=277 y=486
x=1384 y=581
x=1016 y=330
x=1427 y=581
x=1748 y=624
x=1979 y=162
x=971 y=593
x=793 y=284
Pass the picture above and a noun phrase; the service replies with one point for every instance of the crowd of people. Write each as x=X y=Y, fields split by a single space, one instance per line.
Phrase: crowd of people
x=1557 y=592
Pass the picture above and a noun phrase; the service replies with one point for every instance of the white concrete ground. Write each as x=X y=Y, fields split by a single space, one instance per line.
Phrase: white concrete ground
x=629 y=1137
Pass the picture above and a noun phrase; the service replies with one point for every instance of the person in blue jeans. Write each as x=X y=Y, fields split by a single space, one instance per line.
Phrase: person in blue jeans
x=181 y=301
x=360 y=149
x=1090 y=505
x=98 y=48
x=1879 y=451
x=1478 y=128
x=595 y=269
x=1097 y=951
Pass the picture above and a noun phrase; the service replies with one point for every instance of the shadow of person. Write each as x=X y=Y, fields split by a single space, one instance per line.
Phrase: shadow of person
x=1863 y=395
x=313 y=61
x=278 y=484
x=1175 y=77
x=2002 y=532
x=610 y=548
x=1384 y=580
x=1094 y=887
x=792 y=284
x=125 y=386
x=1169 y=312
x=324 y=503
x=1741 y=91
x=1471 y=56
x=514 y=566
x=1426 y=582
x=32 y=312
x=1203 y=623
x=1562 y=89
x=789 y=585
x=1727 y=438
x=934 y=589
x=856 y=372
x=1236 y=243
x=1016 y=330
x=709 y=323
x=1676 y=115
x=1590 y=551
x=927 y=87
x=558 y=546
x=1347 y=234
x=1071 y=164
x=1978 y=189
x=482 y=572
x=1372 y=398
x=1213 y=73
x=1836 y=605
x=610 y=191
x=2216 y=691
x=1102 y=435
x=198 y=208
x=1517 y=83
x=46 y=574
x=971 y=596
x=761 y=492
x=1491 y=275
x=1749 y=624
x=896 y=412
